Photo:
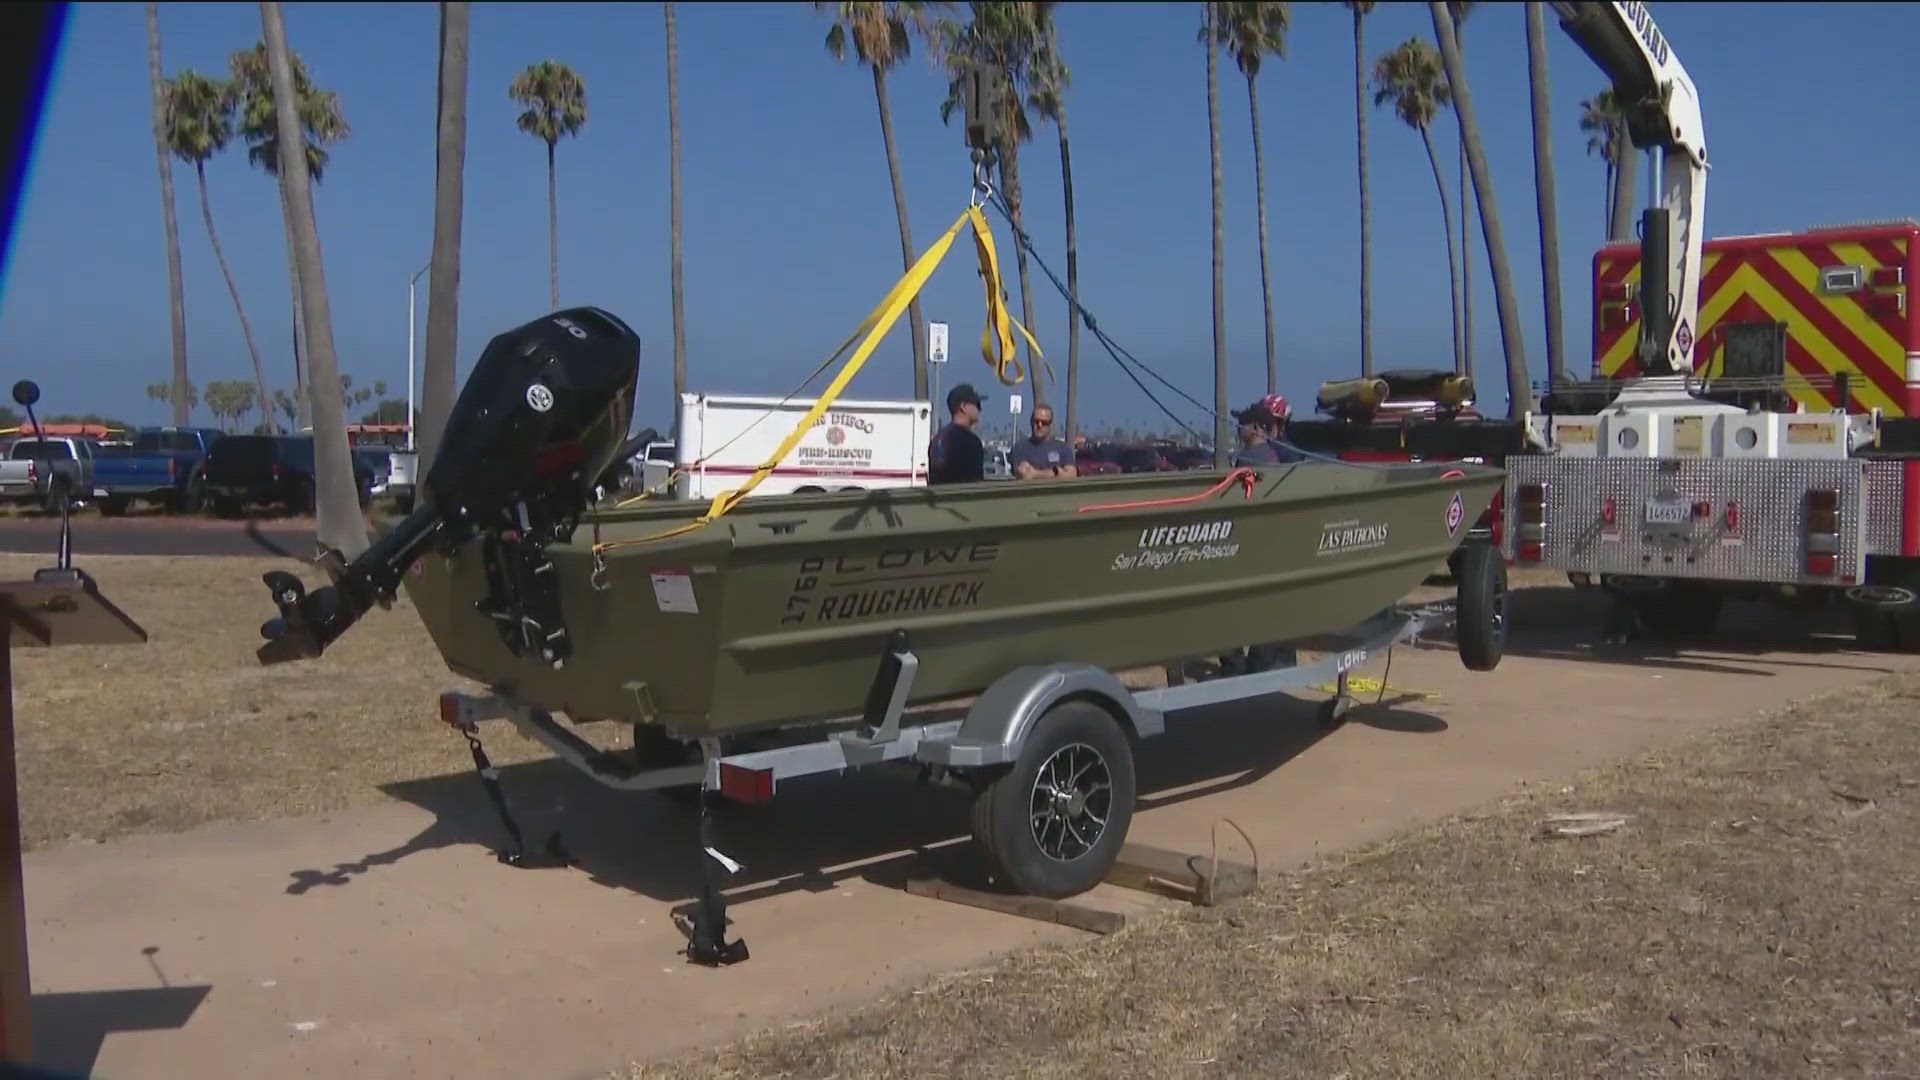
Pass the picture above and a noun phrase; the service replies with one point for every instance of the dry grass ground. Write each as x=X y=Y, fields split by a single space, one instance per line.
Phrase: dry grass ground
x=1754 y=917
x=189 y=728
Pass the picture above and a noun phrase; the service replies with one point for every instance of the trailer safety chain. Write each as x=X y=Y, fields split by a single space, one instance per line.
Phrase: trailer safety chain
x=997 y=346
x=556 y=853
x=1243 y=474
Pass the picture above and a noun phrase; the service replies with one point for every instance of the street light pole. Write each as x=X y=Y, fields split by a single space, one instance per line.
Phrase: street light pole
x=411 y=338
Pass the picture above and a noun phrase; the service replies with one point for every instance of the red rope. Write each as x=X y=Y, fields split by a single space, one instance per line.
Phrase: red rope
x=1244 y=475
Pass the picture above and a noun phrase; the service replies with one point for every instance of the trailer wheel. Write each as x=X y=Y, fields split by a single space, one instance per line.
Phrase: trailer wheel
x=1480 y=632
x=1052 y=825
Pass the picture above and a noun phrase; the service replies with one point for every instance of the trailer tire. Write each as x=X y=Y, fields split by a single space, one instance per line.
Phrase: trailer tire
x=1480 y=631
x=1077 y=764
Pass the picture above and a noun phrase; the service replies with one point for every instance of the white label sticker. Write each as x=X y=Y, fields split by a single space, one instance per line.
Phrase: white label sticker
x=673 y=591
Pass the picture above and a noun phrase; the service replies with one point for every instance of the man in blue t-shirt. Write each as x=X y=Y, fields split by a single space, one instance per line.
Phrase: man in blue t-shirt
x=1042 y=454
x=956 y=455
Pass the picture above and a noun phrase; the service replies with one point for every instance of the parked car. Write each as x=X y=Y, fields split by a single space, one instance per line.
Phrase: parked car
x=160 y=464
x=269 y=469
x=45 y=471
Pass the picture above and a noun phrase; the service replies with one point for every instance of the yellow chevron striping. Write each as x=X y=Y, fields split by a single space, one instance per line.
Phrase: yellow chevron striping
x=1812 y=342
x=1846 y=309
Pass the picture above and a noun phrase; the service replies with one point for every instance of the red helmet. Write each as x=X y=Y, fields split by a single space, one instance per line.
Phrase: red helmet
x=1277 y=405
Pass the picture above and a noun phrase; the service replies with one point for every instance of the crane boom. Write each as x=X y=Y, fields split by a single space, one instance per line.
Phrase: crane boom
x=1662 y=109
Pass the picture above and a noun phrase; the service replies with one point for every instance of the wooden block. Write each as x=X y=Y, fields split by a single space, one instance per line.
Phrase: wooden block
x=1180 y=875
x=1064 y=912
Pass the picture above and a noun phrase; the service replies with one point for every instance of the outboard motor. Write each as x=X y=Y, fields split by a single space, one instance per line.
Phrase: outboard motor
x=539 y=422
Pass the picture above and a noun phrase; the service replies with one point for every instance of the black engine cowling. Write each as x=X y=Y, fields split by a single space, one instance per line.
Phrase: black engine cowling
x=541 y=419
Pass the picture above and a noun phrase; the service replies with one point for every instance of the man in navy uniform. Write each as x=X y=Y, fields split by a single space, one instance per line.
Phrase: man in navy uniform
x=956 y=455
x=1042 y=454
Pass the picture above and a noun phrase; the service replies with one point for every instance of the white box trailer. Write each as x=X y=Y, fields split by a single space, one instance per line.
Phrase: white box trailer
x=855 y=445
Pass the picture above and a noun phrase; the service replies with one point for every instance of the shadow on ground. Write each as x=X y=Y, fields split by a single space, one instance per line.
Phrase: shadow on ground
x=69 y=1028
x=822 y=830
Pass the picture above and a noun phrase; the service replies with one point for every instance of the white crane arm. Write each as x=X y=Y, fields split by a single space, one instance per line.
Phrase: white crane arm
x=1662 y=109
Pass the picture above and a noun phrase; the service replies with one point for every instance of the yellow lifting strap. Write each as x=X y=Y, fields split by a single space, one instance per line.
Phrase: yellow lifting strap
x=997 y=347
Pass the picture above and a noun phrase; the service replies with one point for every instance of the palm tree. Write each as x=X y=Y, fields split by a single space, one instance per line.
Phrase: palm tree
x=1459 y=10
x=1251 y=31
x=338 y=522
x=882 y=36
x=1605 y=123
x=673 y=181
x=1222 y=434
x=176 y=289
x=1519 y=390
x=199 y=125
x=1545 y=201
x=322 y=123
x=1048 y=98
x=1411 y=78
x=556 y=101
x=449 y=206
x=1361 y=9
x=1000 y=36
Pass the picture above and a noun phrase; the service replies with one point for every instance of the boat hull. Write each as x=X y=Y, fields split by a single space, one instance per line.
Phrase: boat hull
x=781 y=610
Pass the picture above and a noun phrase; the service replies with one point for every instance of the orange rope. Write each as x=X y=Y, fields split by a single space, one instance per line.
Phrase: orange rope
x=1244 y=475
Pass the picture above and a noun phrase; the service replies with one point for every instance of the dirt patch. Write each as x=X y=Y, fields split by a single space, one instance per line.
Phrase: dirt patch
x=1754 y=916
x=190 y=728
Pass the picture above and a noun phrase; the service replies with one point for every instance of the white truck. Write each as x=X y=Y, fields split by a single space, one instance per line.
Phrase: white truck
x=854 y=446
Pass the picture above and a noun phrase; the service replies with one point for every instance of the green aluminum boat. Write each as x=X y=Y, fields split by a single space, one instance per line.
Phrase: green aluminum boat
x=755 y=613
x=779 y=610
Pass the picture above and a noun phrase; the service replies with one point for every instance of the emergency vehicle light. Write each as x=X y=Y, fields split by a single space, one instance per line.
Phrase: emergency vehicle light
x=1888 y=277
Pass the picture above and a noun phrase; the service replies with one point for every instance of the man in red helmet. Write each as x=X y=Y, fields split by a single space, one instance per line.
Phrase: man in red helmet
x=1262 y=438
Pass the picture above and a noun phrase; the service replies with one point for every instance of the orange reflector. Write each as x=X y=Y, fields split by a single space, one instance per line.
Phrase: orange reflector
x=1733 y=515
x=1532 y=551
x=1820 y=563
x=745 y=785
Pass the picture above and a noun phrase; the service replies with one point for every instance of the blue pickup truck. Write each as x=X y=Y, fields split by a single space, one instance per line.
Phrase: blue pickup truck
x=162 y=465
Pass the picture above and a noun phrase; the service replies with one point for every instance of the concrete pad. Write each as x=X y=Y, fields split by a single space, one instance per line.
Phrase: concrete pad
x=389 y=942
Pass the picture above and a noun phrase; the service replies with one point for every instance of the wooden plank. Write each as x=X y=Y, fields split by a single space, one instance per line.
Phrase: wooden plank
x=1180 y=875
x=1040 y=908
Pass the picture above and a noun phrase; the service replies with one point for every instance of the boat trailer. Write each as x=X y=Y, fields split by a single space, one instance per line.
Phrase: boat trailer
x=1047 y=750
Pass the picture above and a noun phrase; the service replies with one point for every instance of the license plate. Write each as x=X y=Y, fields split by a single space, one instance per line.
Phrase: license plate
x=1668 y=513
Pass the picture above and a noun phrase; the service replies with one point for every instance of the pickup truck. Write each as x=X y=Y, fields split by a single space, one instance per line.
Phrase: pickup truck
x=263 y=469
x=42 y=471
x=162 y=465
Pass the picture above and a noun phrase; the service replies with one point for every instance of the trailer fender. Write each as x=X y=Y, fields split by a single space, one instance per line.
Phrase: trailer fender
x=996 y=726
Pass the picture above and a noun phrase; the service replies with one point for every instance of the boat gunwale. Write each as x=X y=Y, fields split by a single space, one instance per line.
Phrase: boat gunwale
x=880 y=500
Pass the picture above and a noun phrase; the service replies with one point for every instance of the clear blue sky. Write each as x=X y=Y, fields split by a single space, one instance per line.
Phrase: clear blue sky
x=789 y=222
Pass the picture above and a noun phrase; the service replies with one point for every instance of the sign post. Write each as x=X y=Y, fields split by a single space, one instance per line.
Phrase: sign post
x=936 y=356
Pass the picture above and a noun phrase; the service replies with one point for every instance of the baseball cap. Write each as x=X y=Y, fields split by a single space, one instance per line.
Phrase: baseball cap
x=962 y=395
x=1256 y=413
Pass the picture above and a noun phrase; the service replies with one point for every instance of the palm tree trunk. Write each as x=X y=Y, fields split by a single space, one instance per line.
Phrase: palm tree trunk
x=553 y=227
x=916 y=328
x=449 y=207
x=1453 y=267
x=673 y=213
x=1546 y=200
x=1624 y=172
x=1222 y=434
x=1073 y=285
x=339 y=522
x=176 y=289
x=1366 y=202
x=1466 y=267
x=246 y=327
x=1606 y=208
x=1466 y=227
x=1010 y=176
x=1519 y=390
x=302 y=417
x=1260 y=205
